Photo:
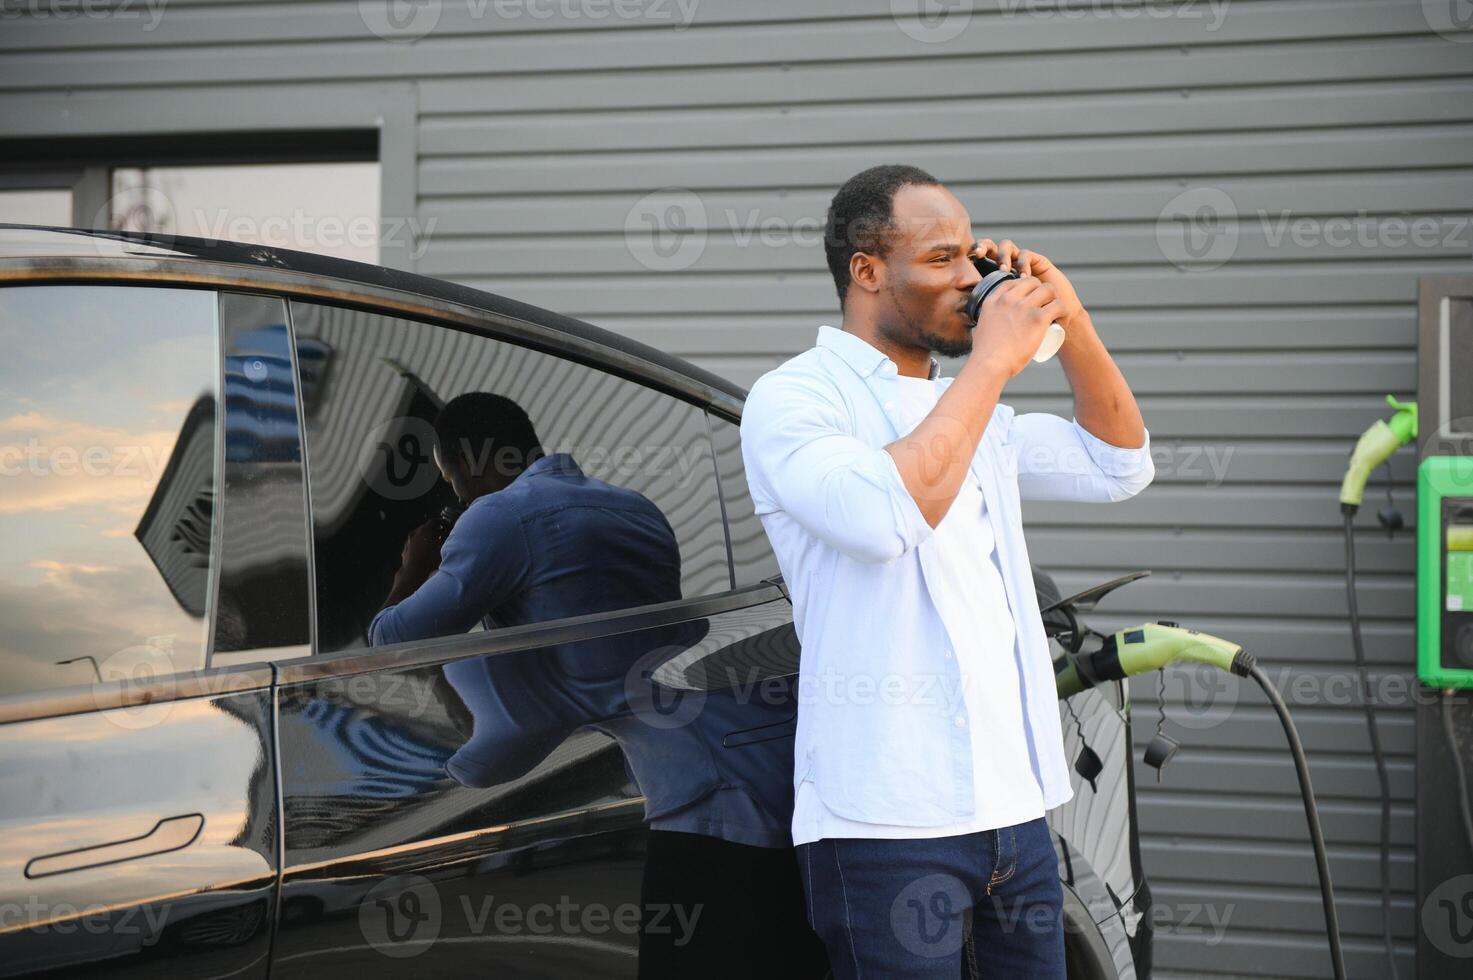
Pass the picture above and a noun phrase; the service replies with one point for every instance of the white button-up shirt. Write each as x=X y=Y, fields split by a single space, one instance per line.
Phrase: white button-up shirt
x=884 y=732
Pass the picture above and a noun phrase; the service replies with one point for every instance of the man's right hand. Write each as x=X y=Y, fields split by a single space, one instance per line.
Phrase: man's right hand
x=1013 y=321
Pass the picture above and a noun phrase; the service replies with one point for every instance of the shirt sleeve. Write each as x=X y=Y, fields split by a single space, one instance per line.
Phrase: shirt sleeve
x=802 y=460
x=483 y=562
x=1059 y=459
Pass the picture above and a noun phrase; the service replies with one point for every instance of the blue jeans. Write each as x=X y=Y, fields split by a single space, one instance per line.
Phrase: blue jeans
x=893 y=909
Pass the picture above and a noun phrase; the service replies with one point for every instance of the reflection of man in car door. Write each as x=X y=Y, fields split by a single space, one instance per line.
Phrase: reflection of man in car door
x=540 y=540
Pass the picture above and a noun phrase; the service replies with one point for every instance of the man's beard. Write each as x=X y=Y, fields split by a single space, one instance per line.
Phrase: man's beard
x=912 y=333
x=945 y=346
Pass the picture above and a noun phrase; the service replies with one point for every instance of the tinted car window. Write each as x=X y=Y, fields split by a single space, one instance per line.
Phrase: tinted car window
x=108 y=448
x=752 y=559
x=262 y=601
x=372 y=386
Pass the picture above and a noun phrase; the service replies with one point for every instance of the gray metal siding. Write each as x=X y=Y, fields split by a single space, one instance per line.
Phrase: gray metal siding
x=533 y=140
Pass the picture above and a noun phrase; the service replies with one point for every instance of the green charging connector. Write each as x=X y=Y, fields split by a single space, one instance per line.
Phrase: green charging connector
x=1445 y=571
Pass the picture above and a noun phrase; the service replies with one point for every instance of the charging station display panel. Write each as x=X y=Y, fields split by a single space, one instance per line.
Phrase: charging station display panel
x=1451 y=656
x=1445 y=571
x=1457 y=584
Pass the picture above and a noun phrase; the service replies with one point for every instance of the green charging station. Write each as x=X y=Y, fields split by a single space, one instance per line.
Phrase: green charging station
x=1445 y=483
x=1440 y=424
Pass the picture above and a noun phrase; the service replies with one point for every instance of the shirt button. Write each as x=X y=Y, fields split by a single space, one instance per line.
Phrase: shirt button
x=948 y=654
x=960 y=721
x=889 y=406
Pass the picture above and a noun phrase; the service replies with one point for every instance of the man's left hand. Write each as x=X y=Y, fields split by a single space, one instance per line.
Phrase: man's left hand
x=1009 y=256
x=417 y=562
x=421 y=555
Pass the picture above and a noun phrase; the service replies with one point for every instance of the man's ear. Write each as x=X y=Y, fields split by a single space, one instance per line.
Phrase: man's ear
x=865 y=271
x=442 y=463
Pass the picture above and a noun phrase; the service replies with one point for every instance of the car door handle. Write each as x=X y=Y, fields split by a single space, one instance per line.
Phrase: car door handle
x=169 y=834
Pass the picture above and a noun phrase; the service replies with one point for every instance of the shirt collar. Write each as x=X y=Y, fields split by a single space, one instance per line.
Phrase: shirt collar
x=862 y=355
x=552 y=463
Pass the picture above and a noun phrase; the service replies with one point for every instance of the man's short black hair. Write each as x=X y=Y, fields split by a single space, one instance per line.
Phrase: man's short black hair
x=482 y=428
x=861 y=216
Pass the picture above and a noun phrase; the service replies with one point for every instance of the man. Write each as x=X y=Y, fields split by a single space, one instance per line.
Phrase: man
x=928 y=745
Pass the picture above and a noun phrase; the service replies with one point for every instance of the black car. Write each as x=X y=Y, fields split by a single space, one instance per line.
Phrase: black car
x=213 y=454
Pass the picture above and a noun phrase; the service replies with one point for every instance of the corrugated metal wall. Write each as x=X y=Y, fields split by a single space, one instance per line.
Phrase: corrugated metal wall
x=1081 y=132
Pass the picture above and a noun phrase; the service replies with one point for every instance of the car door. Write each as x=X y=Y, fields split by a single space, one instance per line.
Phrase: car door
x=152 y=565
x=603 y=793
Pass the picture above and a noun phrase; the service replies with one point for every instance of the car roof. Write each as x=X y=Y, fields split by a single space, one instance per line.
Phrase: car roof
x=39 y=253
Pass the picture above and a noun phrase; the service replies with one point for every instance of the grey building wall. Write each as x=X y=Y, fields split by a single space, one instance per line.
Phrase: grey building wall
x=1153 y=153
